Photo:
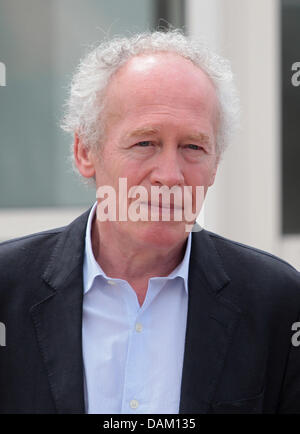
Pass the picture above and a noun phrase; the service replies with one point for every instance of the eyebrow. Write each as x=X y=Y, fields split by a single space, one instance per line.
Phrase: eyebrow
x=198 y=137
x=142 y=131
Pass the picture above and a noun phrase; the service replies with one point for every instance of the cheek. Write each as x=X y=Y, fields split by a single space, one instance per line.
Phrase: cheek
x=113 y=170
x=209 y=170
x=135 y=171
x=200 y=176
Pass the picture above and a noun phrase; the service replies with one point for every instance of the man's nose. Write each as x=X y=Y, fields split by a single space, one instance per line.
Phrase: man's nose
x=167 y=170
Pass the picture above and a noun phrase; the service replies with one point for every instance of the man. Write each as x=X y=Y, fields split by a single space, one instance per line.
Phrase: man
x=139 y=315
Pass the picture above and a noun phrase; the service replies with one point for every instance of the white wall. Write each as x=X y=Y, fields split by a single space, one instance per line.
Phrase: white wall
x=244 y=203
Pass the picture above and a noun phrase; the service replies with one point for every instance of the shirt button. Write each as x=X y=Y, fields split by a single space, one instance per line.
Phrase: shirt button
x=138 y=327
x=111 y=282
x=134 y=404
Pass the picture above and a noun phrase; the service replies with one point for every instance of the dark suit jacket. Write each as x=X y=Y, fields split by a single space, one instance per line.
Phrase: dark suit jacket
x=238 y=353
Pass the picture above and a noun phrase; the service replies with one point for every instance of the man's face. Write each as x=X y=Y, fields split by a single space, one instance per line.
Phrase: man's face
x=160 y=130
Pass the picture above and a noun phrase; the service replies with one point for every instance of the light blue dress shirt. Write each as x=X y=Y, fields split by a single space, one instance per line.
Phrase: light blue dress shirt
x=132 y=354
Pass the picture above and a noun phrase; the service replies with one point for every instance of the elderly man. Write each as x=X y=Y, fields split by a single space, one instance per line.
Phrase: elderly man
x=142 y=315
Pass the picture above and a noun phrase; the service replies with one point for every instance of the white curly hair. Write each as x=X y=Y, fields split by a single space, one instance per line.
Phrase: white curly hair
x=85 y=105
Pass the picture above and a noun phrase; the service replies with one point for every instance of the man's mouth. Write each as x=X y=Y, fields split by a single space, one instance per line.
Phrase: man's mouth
x=162 y=205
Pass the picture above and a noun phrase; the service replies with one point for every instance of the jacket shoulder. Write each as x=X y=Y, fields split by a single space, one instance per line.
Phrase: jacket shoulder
x=250 y=264
x=26 y=242
x=250 y=253
x=19 y=257
x=30 y=253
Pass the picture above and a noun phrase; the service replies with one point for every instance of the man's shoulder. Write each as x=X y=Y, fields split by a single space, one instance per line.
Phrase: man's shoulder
x=242 y=252
x=28 y=242
x=35 y=249
x=22 y=258
x=253 y=276
x=248 y=265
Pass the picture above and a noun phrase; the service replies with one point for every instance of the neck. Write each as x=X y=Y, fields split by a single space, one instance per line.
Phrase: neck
x=122 y=258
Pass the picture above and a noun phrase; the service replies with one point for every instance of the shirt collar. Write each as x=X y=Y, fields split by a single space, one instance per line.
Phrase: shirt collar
x=91 y=268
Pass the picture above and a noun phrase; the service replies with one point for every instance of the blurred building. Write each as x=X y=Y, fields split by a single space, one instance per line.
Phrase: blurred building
x=255 y=197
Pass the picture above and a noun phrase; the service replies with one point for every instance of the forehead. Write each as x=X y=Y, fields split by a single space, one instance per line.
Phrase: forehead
x=160 y=81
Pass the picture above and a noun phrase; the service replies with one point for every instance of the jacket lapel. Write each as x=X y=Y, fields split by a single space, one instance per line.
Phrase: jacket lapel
x=210 y=324
x=57 y=318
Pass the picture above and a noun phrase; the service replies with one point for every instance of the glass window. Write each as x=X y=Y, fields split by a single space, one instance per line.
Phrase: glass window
x=290 y=116
x=41 y=43
x=170 y=12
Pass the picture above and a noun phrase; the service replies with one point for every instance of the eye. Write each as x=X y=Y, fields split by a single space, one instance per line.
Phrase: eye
x=144 y=144
x=193 y=147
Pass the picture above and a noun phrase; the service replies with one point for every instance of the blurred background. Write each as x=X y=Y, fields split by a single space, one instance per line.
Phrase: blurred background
x=255 y=199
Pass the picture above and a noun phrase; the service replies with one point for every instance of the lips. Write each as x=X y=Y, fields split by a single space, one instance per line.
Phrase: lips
x=168 y=206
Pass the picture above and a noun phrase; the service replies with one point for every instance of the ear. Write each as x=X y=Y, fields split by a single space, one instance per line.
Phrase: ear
x=84 y=158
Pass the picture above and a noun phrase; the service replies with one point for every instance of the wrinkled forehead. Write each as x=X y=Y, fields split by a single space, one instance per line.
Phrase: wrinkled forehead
x=158 y=78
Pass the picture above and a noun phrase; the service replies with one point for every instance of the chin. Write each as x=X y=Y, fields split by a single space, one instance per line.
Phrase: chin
x=161 y=234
